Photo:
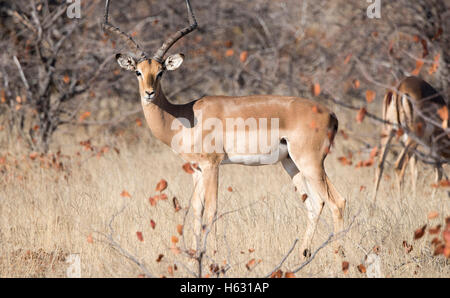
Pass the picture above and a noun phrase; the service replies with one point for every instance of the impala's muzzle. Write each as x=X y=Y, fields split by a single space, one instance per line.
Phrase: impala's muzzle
x=149 y=96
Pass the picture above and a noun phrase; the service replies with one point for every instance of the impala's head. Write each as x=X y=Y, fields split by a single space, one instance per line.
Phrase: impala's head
x=149 y=71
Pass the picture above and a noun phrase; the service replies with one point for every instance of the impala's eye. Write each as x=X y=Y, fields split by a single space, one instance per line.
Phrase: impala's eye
x=138 y=73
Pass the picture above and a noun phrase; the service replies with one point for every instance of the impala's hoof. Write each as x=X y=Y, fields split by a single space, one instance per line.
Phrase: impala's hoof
x=340 y=252
x=307 y=253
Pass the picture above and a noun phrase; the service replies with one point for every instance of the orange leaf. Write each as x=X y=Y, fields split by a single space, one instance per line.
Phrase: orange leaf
x=90 y=239
x=66 y=79
x=140 y=236
x=277 y=274
x=230 y=189
x=153 y=200
x=174 y=239
x=250 y=264
x=152 y=224
x=180 y=229
x=139 y=122
x=345 y=266
x=433 y=215
x=374 y=152
x=125 y=194
x=361 y=115
x=435 y=230
x=170 y=270
x=229 y=53
x=433 y=68
x=356 y=83
x=162 y=185
x=289 y=275
x=243 y=57
x=316 y=89
x=419 y=232
x=347 y=59
x=361 y=268
x=188 y=168
x=2 y=96
x=84 y=116
x=416 y=71
x=370 y=96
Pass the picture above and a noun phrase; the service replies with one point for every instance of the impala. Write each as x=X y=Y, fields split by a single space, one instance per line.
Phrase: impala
x=411 y=109
x=300 y=133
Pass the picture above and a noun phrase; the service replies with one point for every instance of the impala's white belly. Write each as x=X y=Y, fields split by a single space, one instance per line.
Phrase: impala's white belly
x=277 y=154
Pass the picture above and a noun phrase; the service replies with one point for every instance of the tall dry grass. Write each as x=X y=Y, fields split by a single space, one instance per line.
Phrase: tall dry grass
x=47 y=213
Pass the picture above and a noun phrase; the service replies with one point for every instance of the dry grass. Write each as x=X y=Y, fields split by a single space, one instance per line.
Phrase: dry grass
x=46 y=214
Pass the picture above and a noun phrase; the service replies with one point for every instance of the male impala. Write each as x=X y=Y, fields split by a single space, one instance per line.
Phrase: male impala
x=412 y=107
x=300 y=133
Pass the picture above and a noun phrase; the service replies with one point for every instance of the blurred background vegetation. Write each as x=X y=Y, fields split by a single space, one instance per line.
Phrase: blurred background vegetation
x=56 y=71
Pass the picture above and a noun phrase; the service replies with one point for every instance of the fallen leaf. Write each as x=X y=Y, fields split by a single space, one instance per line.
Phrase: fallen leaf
x=289 y=275
x=153 y=200
x=90 y=239
x=419 y=232
x=188 y=168
x=180 y=229
x=345 y=266
x=160 y=257
x=433 y=215
x=162 y=185
x=277 y=274
x=174 y=239
x=152 y=224
x=170 y=270
x=361 y=268
x=140 y=236
x=176 y=205
x=230 y=189
x=304 y=197
x=125 y=194
x=435 y=230
x=408 y=247
x=250 y=264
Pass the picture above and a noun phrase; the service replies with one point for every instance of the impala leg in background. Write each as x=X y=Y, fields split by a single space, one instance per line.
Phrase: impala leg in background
x=385 y=146
x=414 y=173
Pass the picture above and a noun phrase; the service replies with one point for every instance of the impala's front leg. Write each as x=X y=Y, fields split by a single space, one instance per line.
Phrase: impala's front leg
x=197 y=206
x=204 y=201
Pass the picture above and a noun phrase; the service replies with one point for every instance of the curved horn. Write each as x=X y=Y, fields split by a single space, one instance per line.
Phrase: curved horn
x=159 y=55
x=108 y=27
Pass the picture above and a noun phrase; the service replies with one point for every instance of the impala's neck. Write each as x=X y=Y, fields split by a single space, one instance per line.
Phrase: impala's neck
x=161 y=114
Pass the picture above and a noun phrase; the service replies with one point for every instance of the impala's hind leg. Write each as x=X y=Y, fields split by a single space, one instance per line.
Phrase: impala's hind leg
x=314 y=181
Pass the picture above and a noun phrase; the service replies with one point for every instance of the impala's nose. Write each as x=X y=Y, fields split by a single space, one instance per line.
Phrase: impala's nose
x=150 y=95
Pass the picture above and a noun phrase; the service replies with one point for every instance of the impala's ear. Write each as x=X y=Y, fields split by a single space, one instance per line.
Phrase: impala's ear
x=174 y=61
x=126 y=62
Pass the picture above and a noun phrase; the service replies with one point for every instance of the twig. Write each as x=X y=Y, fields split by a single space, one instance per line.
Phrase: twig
x=284 y=259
